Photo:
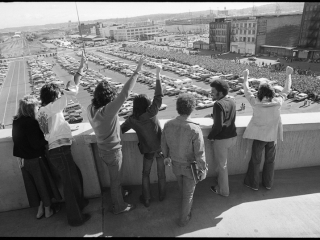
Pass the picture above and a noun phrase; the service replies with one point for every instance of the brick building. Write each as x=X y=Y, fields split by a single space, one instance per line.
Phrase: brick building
x=219 y=35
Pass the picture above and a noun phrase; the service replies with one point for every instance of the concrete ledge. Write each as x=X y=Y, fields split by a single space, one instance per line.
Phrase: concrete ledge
x=300 y=148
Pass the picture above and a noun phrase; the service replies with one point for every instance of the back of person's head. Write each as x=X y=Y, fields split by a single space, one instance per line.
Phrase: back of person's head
x=49 y=93
x=221 y=86
x=186 y=103
x=140 y=105
x=265 y=90
x=27 y=106
x=103 y=94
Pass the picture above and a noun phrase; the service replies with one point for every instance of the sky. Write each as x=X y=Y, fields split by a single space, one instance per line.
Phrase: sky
x=19 y=14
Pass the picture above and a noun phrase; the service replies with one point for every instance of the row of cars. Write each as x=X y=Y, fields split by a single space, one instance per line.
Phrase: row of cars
x=40 y=74
x=171 y=86
x=4 y=68
x=92 y=77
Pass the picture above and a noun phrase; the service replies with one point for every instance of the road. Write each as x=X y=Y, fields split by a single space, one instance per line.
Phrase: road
x=15 y=86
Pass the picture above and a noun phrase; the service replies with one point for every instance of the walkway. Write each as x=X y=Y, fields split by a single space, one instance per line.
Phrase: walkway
x=290 y=209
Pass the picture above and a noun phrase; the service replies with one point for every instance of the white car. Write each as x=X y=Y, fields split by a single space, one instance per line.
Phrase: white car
x=301 y=96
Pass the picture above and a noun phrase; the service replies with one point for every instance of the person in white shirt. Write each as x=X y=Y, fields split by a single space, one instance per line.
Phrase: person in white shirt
x=58 y=134
x=263 y=128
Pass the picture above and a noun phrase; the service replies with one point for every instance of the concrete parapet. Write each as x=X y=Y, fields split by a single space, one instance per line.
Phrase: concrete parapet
x=300 y=148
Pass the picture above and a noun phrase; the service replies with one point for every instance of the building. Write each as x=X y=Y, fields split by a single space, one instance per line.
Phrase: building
x=309 y=36
x=192 y=28
x=243 y=35
x=219 y=35
x=136 y=33
x=201 y=45
x=163 y=38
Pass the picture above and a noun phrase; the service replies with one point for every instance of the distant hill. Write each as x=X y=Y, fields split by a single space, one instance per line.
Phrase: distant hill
x=285 y=7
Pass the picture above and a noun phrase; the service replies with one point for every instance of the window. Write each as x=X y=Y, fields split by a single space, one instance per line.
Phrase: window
x=248 y=39
x=253 y=25
x=244 y=39
x=240 y=31
x=245 y=31
x=245 y=25
x=237 y=31
x=240 y=39
x=241 y=25
x=249 y=25
x=237 y=25
x=249 y=31
x=253 y=39
x=253 y=31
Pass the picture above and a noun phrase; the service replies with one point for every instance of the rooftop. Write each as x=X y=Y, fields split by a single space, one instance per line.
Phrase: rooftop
x=290 y=209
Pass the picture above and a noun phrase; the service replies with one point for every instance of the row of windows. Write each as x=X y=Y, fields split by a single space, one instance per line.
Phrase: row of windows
x=304 y=41
x=245 y=31
x=243 y=39
x=244 y=25
x=220 y=32
x=142 y=29
x=220 y=39
x=223 y=26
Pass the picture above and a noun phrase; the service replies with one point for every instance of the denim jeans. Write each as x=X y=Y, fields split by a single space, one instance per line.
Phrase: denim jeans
x=72 y=182
x=147 y=164
x=253 y=176
x=220 y=155
x=113 y=160
x=187 y=187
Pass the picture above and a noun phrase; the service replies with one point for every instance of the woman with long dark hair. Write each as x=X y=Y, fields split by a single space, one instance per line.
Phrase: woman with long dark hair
x=29 y=148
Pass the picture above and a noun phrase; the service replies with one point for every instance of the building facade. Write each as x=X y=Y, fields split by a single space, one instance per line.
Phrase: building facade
x=195 y=28
x=219 y=35
x=309 y=37
x=243 y=35
x=136 y=33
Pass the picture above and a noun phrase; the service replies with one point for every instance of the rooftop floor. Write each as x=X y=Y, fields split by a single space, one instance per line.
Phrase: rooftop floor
x=290 y=209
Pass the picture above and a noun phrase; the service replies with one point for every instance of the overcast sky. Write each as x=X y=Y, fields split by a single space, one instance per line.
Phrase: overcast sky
x=18 y=14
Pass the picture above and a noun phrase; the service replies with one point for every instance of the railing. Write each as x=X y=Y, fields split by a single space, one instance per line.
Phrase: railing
x=300 y=148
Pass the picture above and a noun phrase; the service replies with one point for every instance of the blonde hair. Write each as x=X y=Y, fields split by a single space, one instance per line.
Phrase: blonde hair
x=27 y=107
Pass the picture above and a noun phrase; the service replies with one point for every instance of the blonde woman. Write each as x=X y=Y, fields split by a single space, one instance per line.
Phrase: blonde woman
x=29 y=148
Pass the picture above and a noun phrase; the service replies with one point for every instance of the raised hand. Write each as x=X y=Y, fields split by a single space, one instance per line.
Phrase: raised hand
x=141 y=61
x=245 y=73
x=158 y=69
x=289 y=70
x=83 y=60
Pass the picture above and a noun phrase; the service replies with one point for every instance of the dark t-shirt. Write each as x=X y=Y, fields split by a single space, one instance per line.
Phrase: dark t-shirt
x=224 y=117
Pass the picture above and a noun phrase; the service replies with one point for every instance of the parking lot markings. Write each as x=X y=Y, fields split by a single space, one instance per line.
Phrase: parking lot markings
x=4 y=113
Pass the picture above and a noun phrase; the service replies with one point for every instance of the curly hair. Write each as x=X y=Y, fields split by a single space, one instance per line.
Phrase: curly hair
x=49 y=93
x=186 y=103
x=140 y=105
x=265 y=90
x=27 y=107
x=220 y=86
x=103 y=94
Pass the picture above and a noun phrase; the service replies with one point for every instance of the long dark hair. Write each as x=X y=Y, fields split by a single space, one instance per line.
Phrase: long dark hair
x=140 y=105
x=103 y=94
x=27 y=107
x=265 y=90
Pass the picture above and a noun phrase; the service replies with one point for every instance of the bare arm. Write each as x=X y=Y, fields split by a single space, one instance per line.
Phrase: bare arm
x=287 y=86
x=245 y=81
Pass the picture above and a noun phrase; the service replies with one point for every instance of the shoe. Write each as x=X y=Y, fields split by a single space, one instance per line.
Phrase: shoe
x=40 y=216
x=86 y=217
x=127 y=192
x=129 y=208
x=55 y=209
x=213 y=189
x=145 y=202
x=269 y=188
x=255 y=189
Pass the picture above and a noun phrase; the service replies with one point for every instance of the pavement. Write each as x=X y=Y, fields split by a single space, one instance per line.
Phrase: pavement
x=290 y=209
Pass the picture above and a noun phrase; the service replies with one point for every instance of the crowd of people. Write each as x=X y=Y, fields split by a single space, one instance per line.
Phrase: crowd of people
x=42 y=137
x=302 y=83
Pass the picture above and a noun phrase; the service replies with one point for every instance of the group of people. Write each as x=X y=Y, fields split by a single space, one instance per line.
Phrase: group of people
x=42 y=142
x=302 y=83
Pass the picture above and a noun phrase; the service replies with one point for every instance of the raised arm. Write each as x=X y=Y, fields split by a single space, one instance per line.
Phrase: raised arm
x=245 y=81
x=80 y=72
x=158 y=94
x=158 y=90
x=116 y=104
x=287 y=86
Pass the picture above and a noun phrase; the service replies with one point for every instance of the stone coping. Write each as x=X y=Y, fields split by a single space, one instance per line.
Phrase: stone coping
x=291 y=123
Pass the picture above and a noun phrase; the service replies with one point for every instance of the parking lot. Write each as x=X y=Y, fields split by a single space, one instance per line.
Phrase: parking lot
x=16 y=84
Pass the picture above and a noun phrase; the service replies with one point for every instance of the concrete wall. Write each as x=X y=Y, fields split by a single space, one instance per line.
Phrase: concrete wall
x=300 y=148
